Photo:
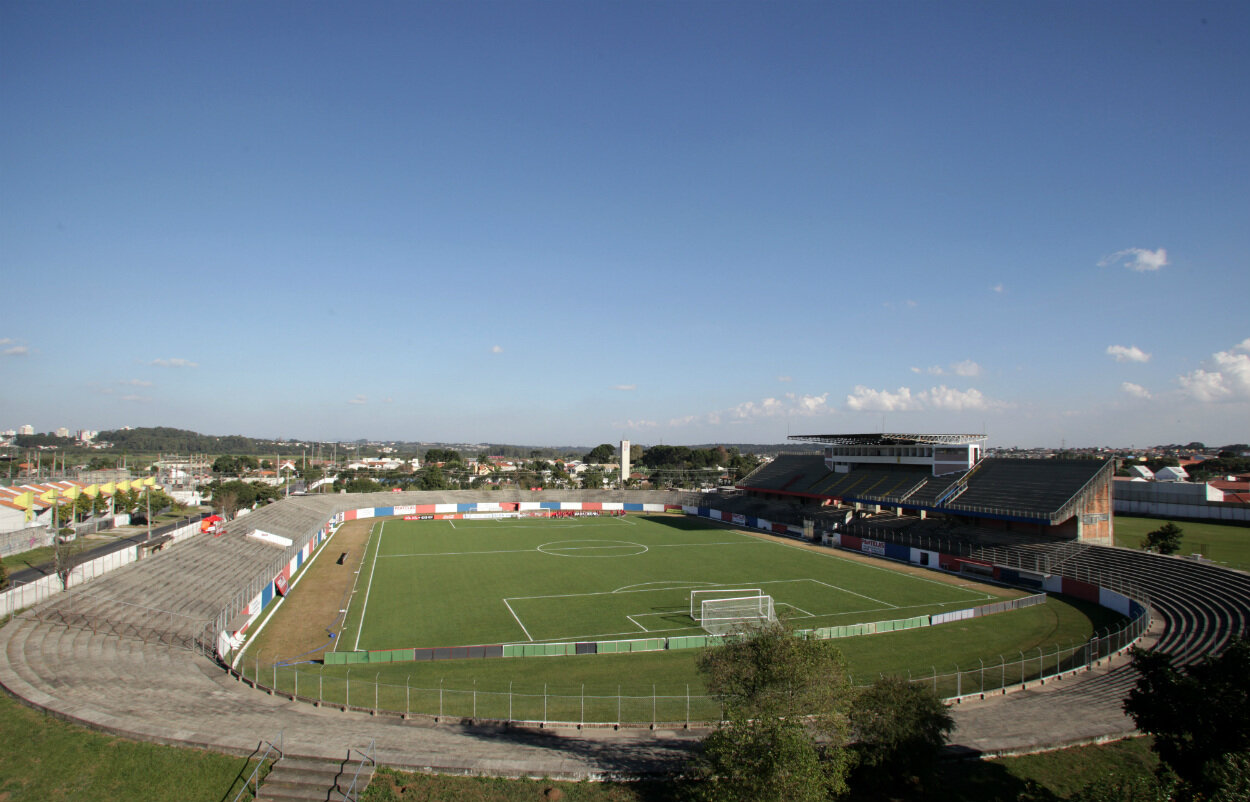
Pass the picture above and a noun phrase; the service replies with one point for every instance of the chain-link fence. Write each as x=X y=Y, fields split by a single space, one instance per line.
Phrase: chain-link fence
x=361 y=688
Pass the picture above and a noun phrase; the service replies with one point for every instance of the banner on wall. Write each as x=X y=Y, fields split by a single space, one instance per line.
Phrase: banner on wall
x=279 y=584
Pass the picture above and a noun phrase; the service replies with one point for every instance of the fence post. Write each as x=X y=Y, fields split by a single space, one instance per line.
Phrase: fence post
x=544 y=704
x=348 y=700
x=1002 y=680
x=935 y=679
x=687 y=705
x=509 y=700
x=297 y=683
x=982 y=662
x=1041 y=667
x=652 y=706
x=320 y=673
x=407 y=696
x=583 y=713
x=440 y=699
x=375 y=692
x=959 y=681
x=618 y=705
x=475 y=700
x=1021 y=668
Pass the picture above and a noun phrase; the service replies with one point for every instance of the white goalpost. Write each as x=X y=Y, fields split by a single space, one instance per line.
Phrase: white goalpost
x=720 y=612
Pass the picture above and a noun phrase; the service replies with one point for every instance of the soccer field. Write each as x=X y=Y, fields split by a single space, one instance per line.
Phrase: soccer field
x=472 y=582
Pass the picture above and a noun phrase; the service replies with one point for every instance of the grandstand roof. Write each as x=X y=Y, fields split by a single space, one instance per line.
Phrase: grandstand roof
x=889 y=439
x=1038 y=490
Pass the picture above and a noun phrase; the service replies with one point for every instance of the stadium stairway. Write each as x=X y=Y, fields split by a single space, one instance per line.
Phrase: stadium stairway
x=58 y=657
x=297 y=780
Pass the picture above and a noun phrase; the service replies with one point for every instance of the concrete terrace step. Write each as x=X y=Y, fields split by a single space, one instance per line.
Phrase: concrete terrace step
x=306 y=779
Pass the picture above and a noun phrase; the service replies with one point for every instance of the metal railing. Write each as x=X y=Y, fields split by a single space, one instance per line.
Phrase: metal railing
x=369 y=755
x=252 y=783
x=647 y=706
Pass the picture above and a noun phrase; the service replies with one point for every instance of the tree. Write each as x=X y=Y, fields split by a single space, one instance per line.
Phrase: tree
x=1197 y=715
x=786 y=702
x=4 y=576
x=1165 y=540
x=225 y=502
x=432 y=478
x=900 y=728
x=600 y=454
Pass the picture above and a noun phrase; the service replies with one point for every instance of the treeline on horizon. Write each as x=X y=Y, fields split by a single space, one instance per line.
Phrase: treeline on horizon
x=169 y=440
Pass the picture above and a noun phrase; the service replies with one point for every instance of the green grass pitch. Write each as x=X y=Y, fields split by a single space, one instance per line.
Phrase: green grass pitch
x=471 y=582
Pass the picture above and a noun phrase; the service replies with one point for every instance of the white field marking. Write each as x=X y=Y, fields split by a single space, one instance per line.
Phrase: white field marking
x=805 y=613
x=674 y=584
x=826 y=584
x=603 y=635
x=518 y=620
x=450 y=521
x=635 y=623
x=522 y=551
x=461 y=553
x=847 y=560
x=616 y=544
x=369 y=587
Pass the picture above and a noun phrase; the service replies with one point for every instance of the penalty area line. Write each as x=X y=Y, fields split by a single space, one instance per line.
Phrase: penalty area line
x=364 y=607
x=518 y=620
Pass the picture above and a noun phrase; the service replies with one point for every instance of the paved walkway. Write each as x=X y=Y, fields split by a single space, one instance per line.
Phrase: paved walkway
x=173 y=696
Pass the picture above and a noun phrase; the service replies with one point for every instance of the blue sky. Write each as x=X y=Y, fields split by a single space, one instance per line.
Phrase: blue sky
x=569 y=222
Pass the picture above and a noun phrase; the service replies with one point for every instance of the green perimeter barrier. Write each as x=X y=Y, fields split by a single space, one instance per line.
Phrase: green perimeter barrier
x=634 y=645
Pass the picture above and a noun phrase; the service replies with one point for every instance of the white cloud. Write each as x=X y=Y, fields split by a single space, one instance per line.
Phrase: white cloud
x=1228 y=381
x=135 y=382
x=784 y=379
x=948 y=398
x=135 y=398
x=637 y=424
x=388 y=400
x=788 y=404
x=865 y=399
x=1130 y=353
x=496 y=349
x=174 y=363
x=910 y=303
x=1135 y=390
x=1139 y=259
x=16 y=350
x=999 y=288
x=360 y=399
x=966 y=368
x=625 y=387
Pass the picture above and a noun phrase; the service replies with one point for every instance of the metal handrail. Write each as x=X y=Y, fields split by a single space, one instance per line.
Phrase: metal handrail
x=350 y=793
x=270 y=750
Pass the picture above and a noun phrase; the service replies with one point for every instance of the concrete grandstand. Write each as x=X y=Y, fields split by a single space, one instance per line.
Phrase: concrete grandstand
x=916 y=476
x=155 y=628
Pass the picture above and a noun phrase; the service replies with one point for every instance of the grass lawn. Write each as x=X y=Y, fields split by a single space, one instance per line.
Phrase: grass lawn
x=46 y=759
x=469 y=582
x=587 y=687
x=1224 y=543
x=432 y=570
x=1047 y=777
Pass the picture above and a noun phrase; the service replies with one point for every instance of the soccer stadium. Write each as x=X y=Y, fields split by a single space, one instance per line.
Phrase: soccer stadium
x=553 y=633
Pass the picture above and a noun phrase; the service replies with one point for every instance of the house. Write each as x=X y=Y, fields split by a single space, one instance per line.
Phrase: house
x=1171 y=474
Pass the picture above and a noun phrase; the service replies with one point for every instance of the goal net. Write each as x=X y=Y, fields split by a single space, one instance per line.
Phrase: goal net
x=725 y=616
x=697 y=597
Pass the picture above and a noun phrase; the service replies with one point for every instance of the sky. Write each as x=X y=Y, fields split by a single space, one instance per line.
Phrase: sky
x=566 y=223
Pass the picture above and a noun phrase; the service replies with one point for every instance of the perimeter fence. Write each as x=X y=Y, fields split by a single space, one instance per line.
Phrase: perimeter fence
x=361 y=688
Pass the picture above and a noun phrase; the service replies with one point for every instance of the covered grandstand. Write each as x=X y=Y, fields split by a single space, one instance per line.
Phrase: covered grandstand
x=921 y=476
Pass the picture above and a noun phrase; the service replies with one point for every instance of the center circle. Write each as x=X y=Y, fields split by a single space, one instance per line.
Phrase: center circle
x=592 y=548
